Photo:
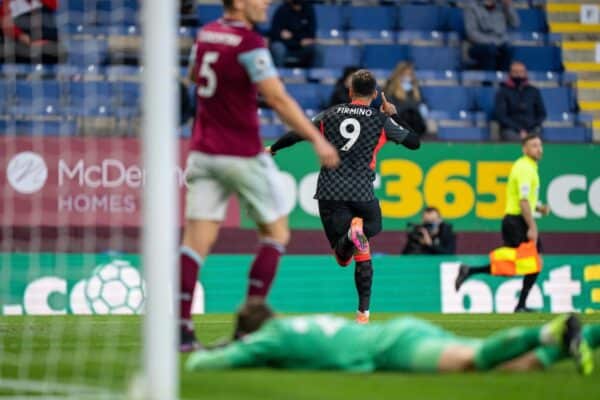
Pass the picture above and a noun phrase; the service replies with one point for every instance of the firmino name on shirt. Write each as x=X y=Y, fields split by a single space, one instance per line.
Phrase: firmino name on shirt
x=354 y=111
x=228 y=39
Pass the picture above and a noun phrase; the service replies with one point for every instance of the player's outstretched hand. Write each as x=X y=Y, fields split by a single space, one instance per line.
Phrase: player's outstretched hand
x=328 y=155
x=386 y=107
x=269 y=150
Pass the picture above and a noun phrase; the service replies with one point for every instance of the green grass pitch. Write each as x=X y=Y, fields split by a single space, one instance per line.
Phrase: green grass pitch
x=105 y=352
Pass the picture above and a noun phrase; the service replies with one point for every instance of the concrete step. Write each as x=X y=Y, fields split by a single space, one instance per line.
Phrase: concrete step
x=563 y=17
x=588 y=76
x=567 y=12
x=581 y=36
x=569 y=27
x=588 y=95
x=563 y=2
x=579 y=55
x=590 y=106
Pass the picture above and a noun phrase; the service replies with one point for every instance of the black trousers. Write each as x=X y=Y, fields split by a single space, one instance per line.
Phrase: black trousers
x=336 y=217
x=514 y=231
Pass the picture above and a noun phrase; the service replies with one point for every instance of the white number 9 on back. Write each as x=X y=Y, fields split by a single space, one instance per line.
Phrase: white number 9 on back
x=349 y=129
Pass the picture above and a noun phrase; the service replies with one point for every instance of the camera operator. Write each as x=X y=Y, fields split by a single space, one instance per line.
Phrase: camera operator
x=432 y=236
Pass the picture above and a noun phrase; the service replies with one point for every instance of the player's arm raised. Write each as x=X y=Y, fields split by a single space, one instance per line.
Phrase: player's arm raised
x=394 y=130
x=285 y=106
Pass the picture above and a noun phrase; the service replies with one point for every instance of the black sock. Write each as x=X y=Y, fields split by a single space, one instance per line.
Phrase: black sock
x=363 y=278
x=486 y=269
x=344 y=248
x=528 y=281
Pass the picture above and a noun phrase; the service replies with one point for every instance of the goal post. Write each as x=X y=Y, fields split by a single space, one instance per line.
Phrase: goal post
x=160 y=203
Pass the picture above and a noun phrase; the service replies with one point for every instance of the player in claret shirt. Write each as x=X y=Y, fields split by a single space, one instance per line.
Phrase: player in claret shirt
x=349 y=210
x=231 y=66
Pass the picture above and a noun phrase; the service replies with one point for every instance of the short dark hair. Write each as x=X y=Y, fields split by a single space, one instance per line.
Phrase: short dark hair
x=227 y=4
x=251 y=316
x=529 y=137
x=429 y=209
x=363 y=83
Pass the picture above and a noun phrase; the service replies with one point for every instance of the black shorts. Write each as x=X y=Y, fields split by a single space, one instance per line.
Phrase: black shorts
x=336 y=217
x=514 y=231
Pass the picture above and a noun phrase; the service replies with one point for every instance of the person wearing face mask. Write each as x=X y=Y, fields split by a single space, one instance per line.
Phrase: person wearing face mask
x=402 y=89
x=292 y=34
x=519 y=106
x=432 y=236
x=486 y=23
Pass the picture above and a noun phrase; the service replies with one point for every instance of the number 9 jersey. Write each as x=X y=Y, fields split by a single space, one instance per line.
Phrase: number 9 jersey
x=228 y=58
x=358 y=132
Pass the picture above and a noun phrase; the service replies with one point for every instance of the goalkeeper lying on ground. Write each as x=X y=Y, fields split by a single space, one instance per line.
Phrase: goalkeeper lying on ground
x=323 y=342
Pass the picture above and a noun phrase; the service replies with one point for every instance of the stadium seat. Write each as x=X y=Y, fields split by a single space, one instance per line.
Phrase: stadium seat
x=308 y=95
x=436 y=58
x=482 y=77
x=29 y=92
x=384 y=56
x=544 y=79
x=371 y=37
x=60 y=127
x=557 y=100
x=272 y=131
x=123 y=73
x=546 y=58
x=122 y=12
x=86 y=52
x=292 y=75
x=527 y=38
x=463 y=133
x=126 y=93
x=337 y=56
x=421 y=38
x=89 y=93
x=447 y=98
x=209 y=12
x=330 y=36
x=577 y=134
x=324 y=75
x=532 y=20
x=420 y=17
x=15 y=70
x=329 y=17
x=454 y=20
x=368 y=17
x=485 y=100
x=433 y=78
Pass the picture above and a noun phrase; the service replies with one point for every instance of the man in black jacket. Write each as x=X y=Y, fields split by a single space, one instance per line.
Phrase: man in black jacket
x=519 y=106
x=293 y=34
x=432 y=236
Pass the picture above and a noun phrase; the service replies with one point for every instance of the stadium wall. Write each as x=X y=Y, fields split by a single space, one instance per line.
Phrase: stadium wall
x=55 y=284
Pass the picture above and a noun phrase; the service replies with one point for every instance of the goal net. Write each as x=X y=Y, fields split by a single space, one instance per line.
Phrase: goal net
x=76 y=209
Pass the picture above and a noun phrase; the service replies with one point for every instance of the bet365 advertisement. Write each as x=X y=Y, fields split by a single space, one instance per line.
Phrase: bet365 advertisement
x=55 y=284
x=98 y=181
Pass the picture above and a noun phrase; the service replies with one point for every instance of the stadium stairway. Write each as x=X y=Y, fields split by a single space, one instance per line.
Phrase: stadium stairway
x=579 y=43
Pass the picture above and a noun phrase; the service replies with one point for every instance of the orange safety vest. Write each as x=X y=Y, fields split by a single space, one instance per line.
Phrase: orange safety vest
x=511 y=261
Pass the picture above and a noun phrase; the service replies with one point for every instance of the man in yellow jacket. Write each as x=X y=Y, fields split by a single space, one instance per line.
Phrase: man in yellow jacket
x=518 y=225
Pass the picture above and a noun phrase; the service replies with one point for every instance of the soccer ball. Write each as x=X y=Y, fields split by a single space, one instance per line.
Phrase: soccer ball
x=115 y=288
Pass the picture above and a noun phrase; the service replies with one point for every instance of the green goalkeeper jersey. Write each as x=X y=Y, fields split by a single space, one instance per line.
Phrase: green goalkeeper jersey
x=329 y=342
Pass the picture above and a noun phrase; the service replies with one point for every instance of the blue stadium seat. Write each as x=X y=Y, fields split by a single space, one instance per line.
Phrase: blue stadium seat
x=371 y=37
x=297 y=75
x=369 y=17
x=575 y=134
x=384 y=56
x=15 y=70
x=126 y=93
x=60 y=127
x=30 y=92
x=265 y=115
x=480 y=77
x=337 y=56
x=428 y=77
x=123 y=72
x=426 y=38
x=532 y=20
x=451 y=133
x=209 y=12
x=447 y=98
x=527 y=38
x=43 y=108
x=420 y=17
x=546 y=58
x=87 y=52
x=68 y=72
x=308 y=95
x=454 y=20
x=122 y=12
x=436 y=58
x=324 y=75
x=548 y=78
x=485 y=100
x=557 y=100
x=272 y=131
x=329 y=17
x=89 y=93
x=330 y=36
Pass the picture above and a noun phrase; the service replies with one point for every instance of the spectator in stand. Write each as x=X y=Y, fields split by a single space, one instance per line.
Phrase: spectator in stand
x=292 y=34
x=29 y=31
x=519 y=106
x=486 y=24
x=340 y=93
x=402 y=90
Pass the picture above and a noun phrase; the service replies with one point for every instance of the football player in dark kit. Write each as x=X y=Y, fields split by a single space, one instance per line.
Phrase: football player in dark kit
x=348 y=207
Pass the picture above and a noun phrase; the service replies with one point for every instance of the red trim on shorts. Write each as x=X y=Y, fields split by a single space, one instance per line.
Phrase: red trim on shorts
x=380 y=143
